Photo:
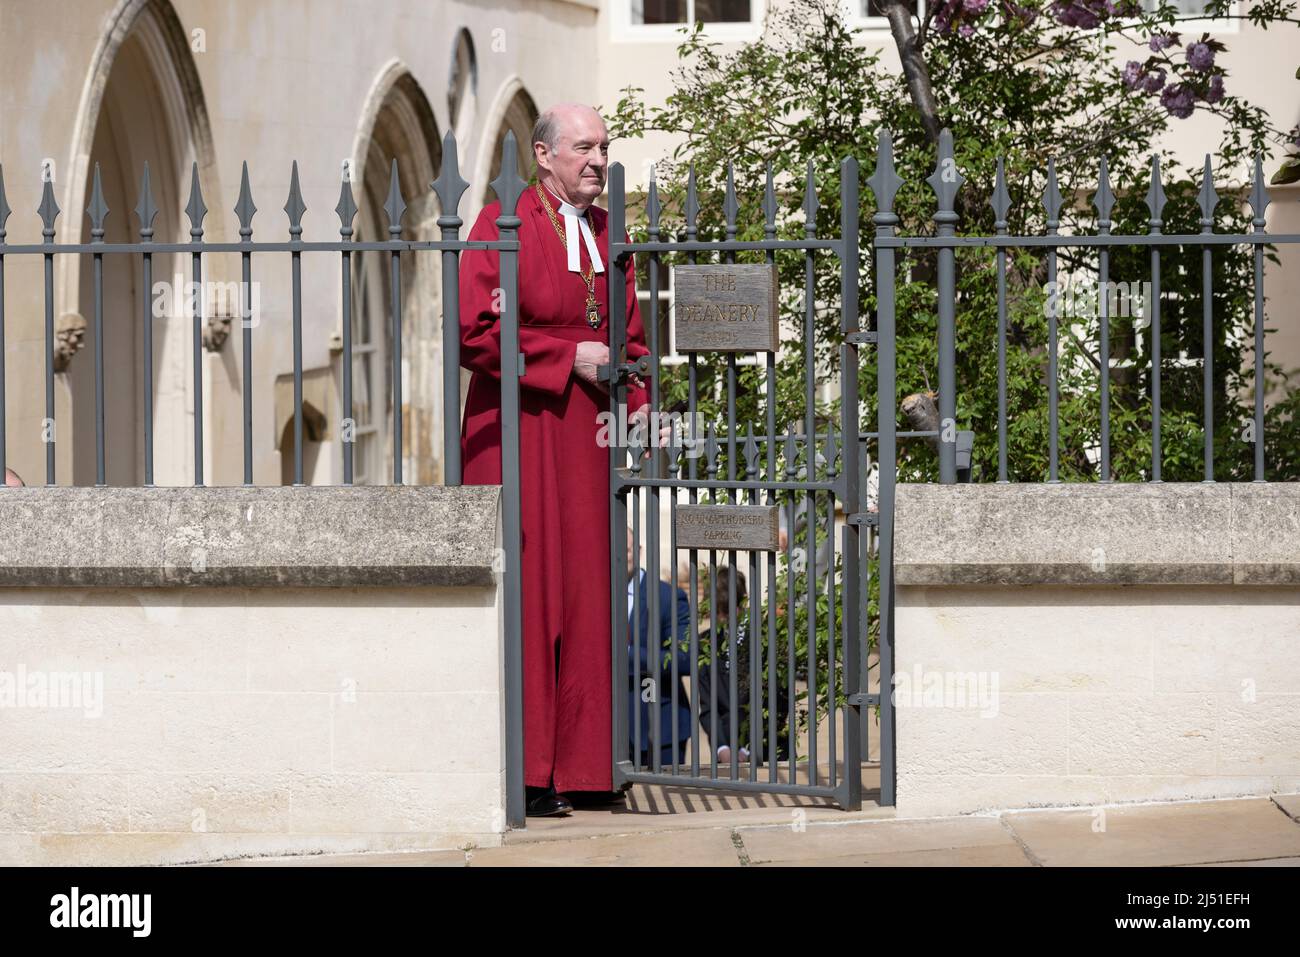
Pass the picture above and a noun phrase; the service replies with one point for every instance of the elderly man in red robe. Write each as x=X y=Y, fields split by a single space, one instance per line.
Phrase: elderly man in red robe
x=564 y=498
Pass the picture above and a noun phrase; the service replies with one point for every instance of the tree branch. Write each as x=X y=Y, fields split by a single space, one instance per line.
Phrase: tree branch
x=914 y=68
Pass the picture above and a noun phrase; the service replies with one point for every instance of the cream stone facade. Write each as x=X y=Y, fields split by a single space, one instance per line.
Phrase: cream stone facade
x=119 y=83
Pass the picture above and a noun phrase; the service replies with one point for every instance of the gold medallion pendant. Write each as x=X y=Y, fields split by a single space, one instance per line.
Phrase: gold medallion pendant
x=588 y=277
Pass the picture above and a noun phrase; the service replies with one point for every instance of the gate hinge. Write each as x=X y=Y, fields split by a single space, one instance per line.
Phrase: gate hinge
x=864 y=518
x=864 y=700
x=862 y=338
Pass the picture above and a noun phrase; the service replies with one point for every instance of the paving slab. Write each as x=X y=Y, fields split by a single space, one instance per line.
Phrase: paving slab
x=990 y=856
x=654 y=807
x=1290 y=803
x=404 y=859
x=860 y=841
x=1272 y=862
x=1158 y=835
x=694 y=848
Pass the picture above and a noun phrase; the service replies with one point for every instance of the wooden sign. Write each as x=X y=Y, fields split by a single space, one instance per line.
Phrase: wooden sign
x=748 y=527
x=727 y=308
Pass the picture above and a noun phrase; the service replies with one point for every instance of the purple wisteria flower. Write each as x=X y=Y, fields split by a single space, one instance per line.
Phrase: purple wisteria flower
x=1132 y=75
x=1179 y=100
x=1153 y=81
x=975 y=6
x=1162 y=41
x=1215 y=92
x=1200 y=56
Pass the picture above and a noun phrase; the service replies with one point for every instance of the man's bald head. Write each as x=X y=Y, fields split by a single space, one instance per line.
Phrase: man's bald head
x=571 y=147
x=13 y=479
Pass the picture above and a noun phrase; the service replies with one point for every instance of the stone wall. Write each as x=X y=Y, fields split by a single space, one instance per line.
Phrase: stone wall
x=1079 y=644
x=196 y=674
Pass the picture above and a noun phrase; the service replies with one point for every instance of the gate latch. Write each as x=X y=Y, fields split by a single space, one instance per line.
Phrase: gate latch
x=624 y=369
x=871 y=519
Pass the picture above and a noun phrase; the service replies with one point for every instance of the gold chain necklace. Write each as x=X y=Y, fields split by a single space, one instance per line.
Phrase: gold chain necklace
x=589 y=277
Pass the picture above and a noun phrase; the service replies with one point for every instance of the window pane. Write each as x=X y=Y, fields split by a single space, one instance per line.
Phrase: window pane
x=1187 y=8
x=870 y=8
x=658 y=11
x=722 y=11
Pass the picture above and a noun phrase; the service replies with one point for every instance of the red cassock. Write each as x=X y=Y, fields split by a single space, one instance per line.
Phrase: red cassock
x=564 y=473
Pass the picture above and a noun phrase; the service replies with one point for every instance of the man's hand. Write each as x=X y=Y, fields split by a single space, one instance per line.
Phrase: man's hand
x=642 y=415
x=590 y=355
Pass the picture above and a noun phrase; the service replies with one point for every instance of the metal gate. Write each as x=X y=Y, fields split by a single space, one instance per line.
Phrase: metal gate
x=782 y=674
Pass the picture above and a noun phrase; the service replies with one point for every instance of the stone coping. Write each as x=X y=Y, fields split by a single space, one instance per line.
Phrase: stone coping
x=302 y=536
x=1098 y=534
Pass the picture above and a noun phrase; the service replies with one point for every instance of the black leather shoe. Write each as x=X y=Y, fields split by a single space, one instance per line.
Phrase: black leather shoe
x=546 y=803
x=595 y=798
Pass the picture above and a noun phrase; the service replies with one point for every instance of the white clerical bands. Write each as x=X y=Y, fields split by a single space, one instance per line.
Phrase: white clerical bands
x=575 y=221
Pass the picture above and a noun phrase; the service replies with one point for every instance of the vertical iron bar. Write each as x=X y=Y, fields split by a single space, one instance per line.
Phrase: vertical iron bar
x=1259 y=358
x=854 y=598
x=810 y=472
x=98 y=281
x=1207 y=309
x=1209 y=199
x=884 y=183
x=1258 y=205
x=946 y=180
x=395 y=275
x=147 y=346
x=246 y=343
x=1104 y=201
x=1001 y=203
x=49 y=212
x=1002 y=364
x=508 y=188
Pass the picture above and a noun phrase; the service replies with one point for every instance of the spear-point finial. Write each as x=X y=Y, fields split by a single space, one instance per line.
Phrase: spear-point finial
x=1208 y=198
x=1104 y=199
x=945 y=181
x=810 y=204
x=1052 y=198
x=195 y=209
x=244 y=207
x=769 y=205
x=652 y=205
x=832 y=450
x=395 y=207
x=4 y=204
x=449 y=185
x=1156 y=196
x=294 y=207
x=508 y=185
x=346 y=208
x=1001 y=199
x=711 y=450
x=146 y=209
x=97 y=210
x=1258 y=197
x=730 y=206
x=49 y=209
x=692 y=201
x=885 y=181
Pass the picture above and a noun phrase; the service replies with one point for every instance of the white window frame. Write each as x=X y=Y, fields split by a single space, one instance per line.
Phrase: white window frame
x=871 y=24
x=1211 y=25
x=623 y=30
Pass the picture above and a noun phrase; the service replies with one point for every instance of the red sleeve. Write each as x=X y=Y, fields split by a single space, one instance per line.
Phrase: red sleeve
x=548 y=361
x=637 y=396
